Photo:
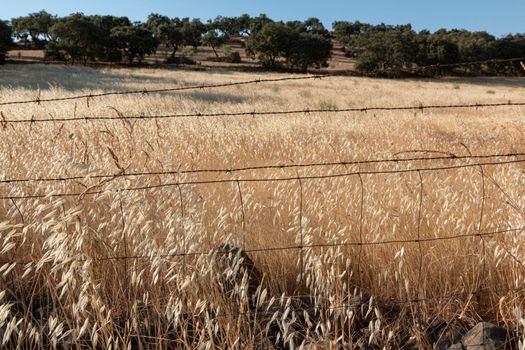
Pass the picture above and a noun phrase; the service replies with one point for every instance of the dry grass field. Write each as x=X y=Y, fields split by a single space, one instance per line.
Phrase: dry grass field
x=105 y=270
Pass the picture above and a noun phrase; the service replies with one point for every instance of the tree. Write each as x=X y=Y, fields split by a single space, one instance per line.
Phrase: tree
x=76 y=35
x=135 y=42
x=386 y=49
x=436 y=49
x=231 y=26
x=213 y=39
x=309 y=49
x=106 y=46
x=271 y=42
x=155 y=21
x=35 y=27
x=313 y=25
x=259 y=22
x=6 y=40
x=171 y=35
x=347 y=30
x=167 y=31
x=290 y=43
x=228 y=26
x=244 y=21
x=192 y=31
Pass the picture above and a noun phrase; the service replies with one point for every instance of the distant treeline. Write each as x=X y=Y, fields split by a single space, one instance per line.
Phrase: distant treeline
x=386 y=49
x=295 y=45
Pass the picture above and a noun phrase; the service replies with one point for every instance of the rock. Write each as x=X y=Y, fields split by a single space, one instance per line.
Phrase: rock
x=442 y=335
x=233 y=263
x=487 y=336
x=456 y=346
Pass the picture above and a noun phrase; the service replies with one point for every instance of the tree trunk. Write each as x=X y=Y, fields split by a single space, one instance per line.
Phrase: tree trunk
x=175 y=48
x=214 y=51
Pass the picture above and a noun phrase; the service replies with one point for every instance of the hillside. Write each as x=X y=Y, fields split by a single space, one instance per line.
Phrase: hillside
x=204 y=57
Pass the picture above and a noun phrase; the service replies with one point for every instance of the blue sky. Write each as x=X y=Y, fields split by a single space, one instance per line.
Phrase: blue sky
x=498 y=17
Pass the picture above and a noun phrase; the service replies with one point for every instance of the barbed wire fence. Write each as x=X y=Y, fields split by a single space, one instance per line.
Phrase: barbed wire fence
x=306 y=111
x=477 y=232
x=502 y=159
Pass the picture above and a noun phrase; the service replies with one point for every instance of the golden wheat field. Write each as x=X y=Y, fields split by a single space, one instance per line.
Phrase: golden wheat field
x=149 y=261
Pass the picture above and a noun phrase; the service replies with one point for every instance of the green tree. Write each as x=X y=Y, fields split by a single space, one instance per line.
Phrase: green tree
x=436 y=49
x=315 y=26
x=171 y=36
x=155 y=21
x=259 y=22
x=309 y=49
x=76 y=35
x=6 y=40
x=135 y=42
x=270 y=43
x=228 y=26
x=291 y=44
x=386 y=49
x=167 y=31
x=347 y=29
x=192 y=31
x=34 y=28
x=213 y=39
x=244 y=22
x=106 y=46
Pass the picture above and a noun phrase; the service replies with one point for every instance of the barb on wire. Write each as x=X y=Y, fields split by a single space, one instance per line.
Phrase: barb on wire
x=306 y=111
x=90 y=96
x=251 y=180
x=261 y=167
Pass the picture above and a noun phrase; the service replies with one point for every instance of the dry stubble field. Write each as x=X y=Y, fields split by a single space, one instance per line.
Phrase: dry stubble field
x=105 y=270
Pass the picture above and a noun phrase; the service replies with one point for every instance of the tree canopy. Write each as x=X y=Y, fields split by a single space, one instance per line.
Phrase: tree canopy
x=135 y=42
x=295 y=45
x=34 y=27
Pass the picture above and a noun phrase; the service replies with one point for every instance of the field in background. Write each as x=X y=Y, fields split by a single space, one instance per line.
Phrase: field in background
x=72 y=251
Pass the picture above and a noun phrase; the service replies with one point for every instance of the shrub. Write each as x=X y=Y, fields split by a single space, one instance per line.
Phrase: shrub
x=234 y=57
x=327 y=106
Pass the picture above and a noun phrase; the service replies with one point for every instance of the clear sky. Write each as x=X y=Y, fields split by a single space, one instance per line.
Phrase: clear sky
x=498 y=17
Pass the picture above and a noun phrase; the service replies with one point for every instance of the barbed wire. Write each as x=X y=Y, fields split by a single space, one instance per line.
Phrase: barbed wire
x=260 y=167
x=39 y=100
x=215 y=252
x=251 y=180
x=330 y=245
x=421 y=107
